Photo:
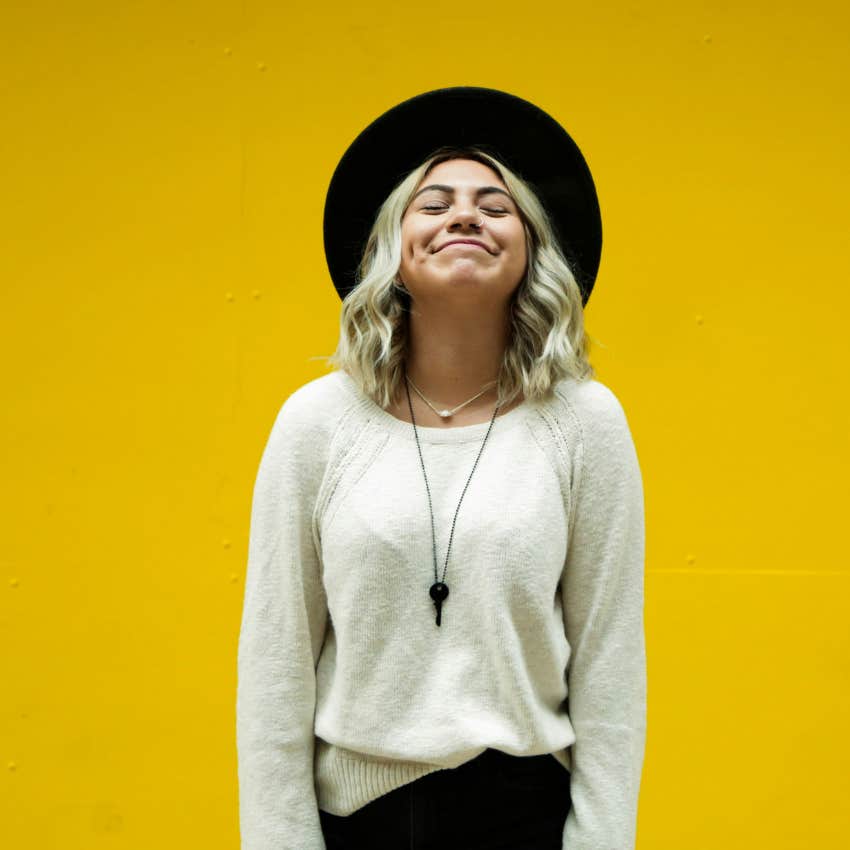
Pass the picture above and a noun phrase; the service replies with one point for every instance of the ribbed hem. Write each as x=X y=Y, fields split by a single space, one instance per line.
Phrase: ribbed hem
x=347 y=780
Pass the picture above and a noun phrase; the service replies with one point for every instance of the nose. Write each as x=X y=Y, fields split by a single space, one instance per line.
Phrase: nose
x=464 y=215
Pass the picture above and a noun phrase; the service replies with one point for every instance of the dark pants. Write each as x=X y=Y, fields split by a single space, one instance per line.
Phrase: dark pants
x=494 y=802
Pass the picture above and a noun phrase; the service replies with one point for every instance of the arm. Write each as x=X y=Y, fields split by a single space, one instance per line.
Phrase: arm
x=602 y=594
x=282 y=630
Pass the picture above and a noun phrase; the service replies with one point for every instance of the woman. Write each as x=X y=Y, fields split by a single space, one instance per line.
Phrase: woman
x=412 y=674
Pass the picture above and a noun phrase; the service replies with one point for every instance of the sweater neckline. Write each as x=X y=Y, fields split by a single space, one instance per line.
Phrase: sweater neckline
x=435 y=434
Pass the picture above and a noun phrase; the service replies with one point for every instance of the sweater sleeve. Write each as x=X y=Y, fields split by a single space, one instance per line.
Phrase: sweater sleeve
x=602 y=594
x=282 y=631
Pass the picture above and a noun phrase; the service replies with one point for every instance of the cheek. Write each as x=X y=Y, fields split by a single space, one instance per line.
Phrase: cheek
x=414 y=240
x=409 y=248
x=518 y=245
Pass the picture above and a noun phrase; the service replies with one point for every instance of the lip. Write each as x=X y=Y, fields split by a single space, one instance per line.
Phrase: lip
x=464 y=241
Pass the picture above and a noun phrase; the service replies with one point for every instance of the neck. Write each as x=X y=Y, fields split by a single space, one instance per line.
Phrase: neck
x=452 y=359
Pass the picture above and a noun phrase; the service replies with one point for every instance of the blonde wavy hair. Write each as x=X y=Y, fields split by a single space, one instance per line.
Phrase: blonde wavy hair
x=547 y=341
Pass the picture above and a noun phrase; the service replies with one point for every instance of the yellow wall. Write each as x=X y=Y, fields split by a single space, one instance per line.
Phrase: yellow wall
x=165 y=288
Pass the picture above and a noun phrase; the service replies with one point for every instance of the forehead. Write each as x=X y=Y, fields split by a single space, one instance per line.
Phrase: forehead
x=462 y=171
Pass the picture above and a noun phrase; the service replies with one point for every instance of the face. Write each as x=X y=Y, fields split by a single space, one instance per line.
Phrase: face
x=462 y=199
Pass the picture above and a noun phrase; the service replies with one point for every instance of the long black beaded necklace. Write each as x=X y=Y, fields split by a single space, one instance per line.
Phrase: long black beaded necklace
x=440 y=590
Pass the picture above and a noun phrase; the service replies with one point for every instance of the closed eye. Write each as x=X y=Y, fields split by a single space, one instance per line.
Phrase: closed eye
x=486 y=209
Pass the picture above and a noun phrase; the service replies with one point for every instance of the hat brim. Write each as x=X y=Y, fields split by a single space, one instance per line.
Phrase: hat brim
x=525 y=137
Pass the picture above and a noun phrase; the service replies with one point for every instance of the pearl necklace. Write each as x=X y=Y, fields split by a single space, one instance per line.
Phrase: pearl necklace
x=445 y=414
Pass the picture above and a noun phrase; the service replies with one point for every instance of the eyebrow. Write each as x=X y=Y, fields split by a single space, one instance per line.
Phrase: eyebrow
x=481 y=190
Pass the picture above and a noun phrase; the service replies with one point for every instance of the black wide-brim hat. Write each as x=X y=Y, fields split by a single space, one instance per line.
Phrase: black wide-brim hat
x=527 y=139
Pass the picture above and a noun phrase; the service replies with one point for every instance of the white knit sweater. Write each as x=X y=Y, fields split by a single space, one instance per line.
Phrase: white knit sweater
x=347 y=688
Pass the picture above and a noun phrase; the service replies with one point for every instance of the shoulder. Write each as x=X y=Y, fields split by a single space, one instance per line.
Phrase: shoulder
x=593 y=404
x=598 y=420
x=317 y=399
x=589 y=398
x=583 y=421
x=312 y=413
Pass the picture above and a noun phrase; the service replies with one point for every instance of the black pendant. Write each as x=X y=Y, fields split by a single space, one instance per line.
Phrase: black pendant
x=439 y=592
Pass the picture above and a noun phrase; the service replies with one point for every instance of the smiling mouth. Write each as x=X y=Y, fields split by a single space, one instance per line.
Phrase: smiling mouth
x=463 y=245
